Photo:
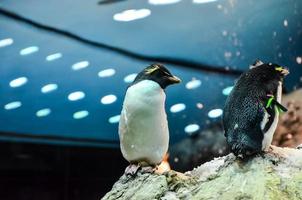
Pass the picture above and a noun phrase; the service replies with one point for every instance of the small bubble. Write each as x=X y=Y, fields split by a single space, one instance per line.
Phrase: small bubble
x=290 y=39
x=227 y=54
x=219 y=6
x=176 y=159
x=299 y=60
x=237 y=53
x=200 y=105
x=274 y=33
x=279 y=55
x=224 y=33
x=285 y=23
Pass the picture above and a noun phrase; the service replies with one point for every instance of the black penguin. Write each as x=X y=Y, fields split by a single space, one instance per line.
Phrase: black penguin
x=252 y=109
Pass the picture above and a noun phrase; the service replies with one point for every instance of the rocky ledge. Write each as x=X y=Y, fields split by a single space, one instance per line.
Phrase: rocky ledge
x=274 y=175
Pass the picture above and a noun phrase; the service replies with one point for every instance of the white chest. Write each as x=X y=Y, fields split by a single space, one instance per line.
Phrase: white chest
x=143 y=127
x=268 y=136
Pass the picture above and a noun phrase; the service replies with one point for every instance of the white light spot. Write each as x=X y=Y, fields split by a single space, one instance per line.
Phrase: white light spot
x=227 y=54
x=74 y=96
x=219 y=6
x=193 y=84
x=80 y=114
x=6 y=42
x=285 y=23
x=163 y=2
x=114 y=119
x=132 y=146
x=13 y=105
x=224 y=33
x=29 y=50
x=299 y=60
x=176 y=159
x=106 y=73
x=49 y=88
x=177 y=107
x=279 y=54
x=226 y=91
x=108 y=99
x=215 y=113
x=236 y=126
x=43 y=112
x=18 y=82
x=80 y=65
x=130 y=15
x=130 y=78
x=199 y=105
x=54 y=56
x=203 y=1
x=274 y=33
x=191 y=128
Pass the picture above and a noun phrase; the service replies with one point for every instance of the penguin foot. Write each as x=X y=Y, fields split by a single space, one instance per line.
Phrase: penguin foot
x=132 y=169
x=148 y=169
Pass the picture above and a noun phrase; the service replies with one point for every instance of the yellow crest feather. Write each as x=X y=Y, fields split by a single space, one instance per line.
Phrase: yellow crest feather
x=279 y=69
x=153 y=69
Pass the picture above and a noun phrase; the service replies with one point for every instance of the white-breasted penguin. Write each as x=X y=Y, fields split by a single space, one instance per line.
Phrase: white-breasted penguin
x=143 y=126
x=252 y=109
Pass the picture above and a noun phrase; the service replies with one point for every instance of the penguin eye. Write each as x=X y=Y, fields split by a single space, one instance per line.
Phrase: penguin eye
x=279 y=69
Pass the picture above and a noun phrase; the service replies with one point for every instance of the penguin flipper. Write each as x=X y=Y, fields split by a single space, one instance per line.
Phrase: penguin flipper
x=271 y=102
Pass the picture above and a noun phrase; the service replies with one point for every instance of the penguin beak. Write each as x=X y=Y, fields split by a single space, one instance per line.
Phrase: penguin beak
x=284 y=71
x=174 y=79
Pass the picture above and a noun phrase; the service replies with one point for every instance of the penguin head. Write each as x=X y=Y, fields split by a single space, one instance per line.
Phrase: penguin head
x=157 y=73
x=269 y=70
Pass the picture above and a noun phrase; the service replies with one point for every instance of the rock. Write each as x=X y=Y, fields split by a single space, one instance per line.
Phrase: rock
x=274 y=175
x=289 y=130
x=199 y=148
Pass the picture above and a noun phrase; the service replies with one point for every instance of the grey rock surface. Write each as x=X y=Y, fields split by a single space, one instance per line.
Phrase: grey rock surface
x=273 y=175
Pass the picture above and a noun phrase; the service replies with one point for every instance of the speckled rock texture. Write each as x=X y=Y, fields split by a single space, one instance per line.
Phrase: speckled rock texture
x=274 y=175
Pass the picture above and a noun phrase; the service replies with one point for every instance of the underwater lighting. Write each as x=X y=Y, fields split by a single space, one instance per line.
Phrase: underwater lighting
x=130 y=15
x=130 y=78
x=54 y=56
x=13 y=105
x=80 y=114
x=75 y=96
x=49 y=88
x=285 y=23
x=106 y=73
x=226 y=91
x=18 y=82
x=163 y=2
x=29 y=50
x=6 y=42
x=191 y=128
x=199 y=105
x=80 y=65
x=114 y=119
x=177 y=107
x=203 y=1
x=215 y=113
x=43 y=112
x=108 y=99
x=193 y=84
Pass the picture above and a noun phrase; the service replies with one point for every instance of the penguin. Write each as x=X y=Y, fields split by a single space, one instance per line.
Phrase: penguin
x=251 y=111
x=143 y=125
